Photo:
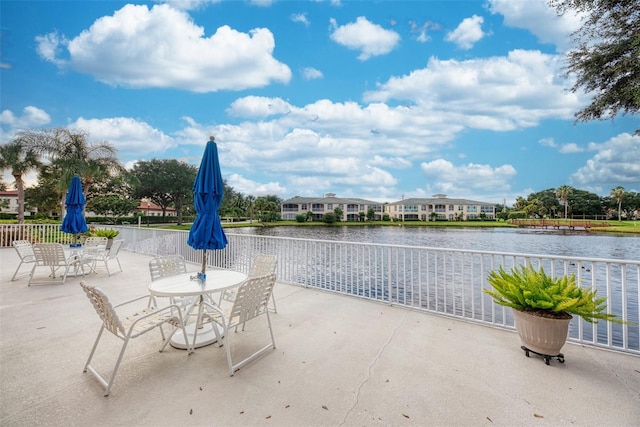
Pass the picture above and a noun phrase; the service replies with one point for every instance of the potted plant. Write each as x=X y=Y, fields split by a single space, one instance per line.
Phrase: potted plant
x=543 y=306
x=109 y=233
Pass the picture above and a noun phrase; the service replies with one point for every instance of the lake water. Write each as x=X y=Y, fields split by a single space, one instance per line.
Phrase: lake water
x=520 y=240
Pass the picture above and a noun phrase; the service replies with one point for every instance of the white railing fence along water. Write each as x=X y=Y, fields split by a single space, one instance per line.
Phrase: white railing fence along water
x=447 y=282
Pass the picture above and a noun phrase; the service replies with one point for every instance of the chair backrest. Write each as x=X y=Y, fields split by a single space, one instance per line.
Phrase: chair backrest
x=115 y=248
x=252 y=298
x=263 y=264
x=104 y=308
x=24 y=249
x=96 y=241
x=168 y=265
x=51 y=254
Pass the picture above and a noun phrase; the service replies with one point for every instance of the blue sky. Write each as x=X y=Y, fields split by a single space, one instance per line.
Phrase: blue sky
x=380 y=100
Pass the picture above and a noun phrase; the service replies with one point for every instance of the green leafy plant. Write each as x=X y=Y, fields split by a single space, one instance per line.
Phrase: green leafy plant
x=109 y=233
x=532 y=290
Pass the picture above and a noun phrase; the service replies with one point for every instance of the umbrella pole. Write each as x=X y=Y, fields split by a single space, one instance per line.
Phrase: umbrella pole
x=204 y=261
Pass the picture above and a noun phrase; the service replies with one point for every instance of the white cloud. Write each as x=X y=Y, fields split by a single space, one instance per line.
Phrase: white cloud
x=31 y=117
x=247 y=186
x=50 y=46
x=547 y=142
x=467 y=33
x=571 y=147
x=466 y=179
x=421 y=30
x=617 y=162
x=189 y=4
x=538 y=18
x=369 y=38
x=310 y=73
x=301 y=18
x=162 y=47
x=524 y=88
x=391 y=162
x=129 y=136
x=258 y=106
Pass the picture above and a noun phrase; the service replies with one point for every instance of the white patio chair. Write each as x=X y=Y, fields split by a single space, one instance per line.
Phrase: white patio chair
x=104 y=255
x=25 y=252
x=133 y=325
x=95 y=241
x=251 y=302
x=52 y=256
x=169 y=265
x=262 y=264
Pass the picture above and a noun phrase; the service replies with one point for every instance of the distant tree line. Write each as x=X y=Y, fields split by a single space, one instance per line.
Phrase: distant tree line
x=569 y=202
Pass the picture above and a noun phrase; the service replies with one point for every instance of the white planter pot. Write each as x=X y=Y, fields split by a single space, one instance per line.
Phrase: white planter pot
x=542 y=335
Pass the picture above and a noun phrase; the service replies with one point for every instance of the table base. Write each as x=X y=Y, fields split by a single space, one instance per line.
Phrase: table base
x=205 y=336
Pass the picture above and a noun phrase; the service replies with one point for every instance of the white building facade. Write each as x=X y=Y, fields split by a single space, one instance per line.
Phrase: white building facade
x=352 y=209
x=439 y=207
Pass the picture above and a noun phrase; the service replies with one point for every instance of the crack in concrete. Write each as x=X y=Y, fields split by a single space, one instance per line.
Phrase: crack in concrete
x=371 y=366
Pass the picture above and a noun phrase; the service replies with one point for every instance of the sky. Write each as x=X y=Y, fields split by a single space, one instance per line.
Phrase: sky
x=380 y=100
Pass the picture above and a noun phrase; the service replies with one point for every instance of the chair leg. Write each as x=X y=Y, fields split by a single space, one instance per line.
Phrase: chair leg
x=31 y=274
x=93 y=350
x=14 y=274
x=115 y=369
x=273 y=302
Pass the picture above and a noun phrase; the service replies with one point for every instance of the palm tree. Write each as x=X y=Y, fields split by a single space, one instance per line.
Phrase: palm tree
x=20 y=160
x=617 y=194
x=562 y=193
x=250 y=205
x=71 y=152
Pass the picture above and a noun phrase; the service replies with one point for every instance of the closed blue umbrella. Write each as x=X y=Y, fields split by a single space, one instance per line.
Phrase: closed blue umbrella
x=206 y=231
x=74 y=222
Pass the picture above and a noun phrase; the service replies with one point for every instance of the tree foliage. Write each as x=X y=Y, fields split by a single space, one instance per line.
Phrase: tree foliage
x=21 y=159
x=166 y=182
x=112 y=207
x=606 y=56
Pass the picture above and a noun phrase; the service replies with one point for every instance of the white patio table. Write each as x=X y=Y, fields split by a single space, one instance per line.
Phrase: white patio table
x=189 y=285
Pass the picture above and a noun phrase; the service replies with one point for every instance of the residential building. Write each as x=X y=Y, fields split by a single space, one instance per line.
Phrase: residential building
x=318 y=206
x=147 y=208
x=9 y=201
x=445 y=208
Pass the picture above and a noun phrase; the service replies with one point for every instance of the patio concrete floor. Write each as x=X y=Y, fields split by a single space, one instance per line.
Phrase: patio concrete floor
x=339 y=361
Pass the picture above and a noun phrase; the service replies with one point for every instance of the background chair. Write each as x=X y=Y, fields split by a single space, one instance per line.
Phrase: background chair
x=52 y=256
x=132 y=326
x=95 y=241
x=251 y=302
x=105 y=255
x=261 y=265
x=25 y=252
x=169 y=265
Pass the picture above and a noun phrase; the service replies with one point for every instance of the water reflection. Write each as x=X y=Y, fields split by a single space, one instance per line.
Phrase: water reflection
x=532 y=241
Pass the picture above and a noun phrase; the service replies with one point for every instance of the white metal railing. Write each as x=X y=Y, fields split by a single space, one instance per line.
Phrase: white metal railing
x=448 y=282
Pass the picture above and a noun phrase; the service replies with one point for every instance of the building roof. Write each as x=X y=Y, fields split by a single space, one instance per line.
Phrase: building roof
x=331 y=199
x=439 y=201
